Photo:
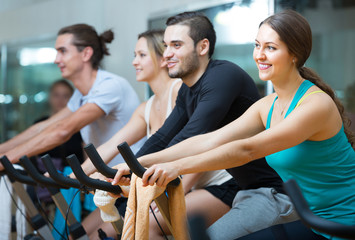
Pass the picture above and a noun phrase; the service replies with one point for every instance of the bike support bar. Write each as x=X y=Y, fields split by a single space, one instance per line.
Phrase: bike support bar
x=75 y=228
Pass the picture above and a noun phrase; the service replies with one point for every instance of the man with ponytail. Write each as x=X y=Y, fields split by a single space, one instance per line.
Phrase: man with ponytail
x=100 y=106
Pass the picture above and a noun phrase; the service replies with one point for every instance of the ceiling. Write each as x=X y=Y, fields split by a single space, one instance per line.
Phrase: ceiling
x=8 y=5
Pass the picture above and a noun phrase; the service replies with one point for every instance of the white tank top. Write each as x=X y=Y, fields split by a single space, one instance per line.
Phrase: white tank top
x=210 y=178
x=148 y=106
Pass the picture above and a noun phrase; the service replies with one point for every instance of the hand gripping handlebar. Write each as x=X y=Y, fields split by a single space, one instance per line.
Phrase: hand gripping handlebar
x=134 y=165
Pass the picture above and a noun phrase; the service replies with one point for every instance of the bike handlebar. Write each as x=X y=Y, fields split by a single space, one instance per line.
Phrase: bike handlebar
x=134 y=165
x=84 y=179
x=313 y=221
x=59 y=178
x=99 y=164
x=15 y=174
x=37 y=176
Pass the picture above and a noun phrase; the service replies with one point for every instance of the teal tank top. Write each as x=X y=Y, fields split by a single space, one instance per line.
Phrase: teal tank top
x=324 y=170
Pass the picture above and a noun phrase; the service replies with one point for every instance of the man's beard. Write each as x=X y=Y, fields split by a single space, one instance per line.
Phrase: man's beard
x=190 y=66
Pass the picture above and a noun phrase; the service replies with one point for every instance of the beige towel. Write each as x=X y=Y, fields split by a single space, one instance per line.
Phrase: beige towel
x=136 y=222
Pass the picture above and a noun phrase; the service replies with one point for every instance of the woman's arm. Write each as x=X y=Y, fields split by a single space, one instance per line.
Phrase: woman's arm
x=205 y=142
x=316 y=120
x=189 y=180
x=132 y=132
x=200 y=143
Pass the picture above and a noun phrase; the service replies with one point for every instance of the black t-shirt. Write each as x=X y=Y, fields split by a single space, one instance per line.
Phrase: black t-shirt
x=222 y=94
x=72 y=146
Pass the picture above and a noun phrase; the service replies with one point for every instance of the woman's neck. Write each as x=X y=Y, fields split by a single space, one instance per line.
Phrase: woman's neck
x=160 y=84
x=286 y=87
x=286 y=90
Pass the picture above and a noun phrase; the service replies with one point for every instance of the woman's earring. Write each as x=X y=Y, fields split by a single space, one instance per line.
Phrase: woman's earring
x=293 y=60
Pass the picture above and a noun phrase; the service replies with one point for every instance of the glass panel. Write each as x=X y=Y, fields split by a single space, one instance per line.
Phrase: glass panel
x=236 y=25
x=333 y=53
x=3 y=55
x=29 y=73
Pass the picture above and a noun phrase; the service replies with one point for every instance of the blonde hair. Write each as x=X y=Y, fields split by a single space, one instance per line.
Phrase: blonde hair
x=155 y=44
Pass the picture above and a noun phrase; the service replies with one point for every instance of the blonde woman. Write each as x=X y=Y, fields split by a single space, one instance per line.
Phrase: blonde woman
x=147 y=118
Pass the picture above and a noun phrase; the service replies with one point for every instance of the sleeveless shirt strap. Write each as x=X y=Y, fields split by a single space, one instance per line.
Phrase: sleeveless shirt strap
x=268 y=121
x=304 y=97
x=170 y=107
x=149 y=104
x=147 y=110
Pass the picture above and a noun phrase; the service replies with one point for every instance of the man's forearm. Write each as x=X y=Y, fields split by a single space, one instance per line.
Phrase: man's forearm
x=20 y=138
x=44 y=141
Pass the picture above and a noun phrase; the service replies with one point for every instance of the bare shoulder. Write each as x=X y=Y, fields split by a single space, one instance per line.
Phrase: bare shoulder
x=319 y=109
x=269 y=99
x=140 y=110
x=264 y=105
x=175 y=92
x=318 y=100
x=177 y=87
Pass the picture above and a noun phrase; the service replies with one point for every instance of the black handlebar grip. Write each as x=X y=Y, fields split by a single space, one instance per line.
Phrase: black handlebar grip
x=134 y=165
x=59 y=178
x=130 y=159
x=14 y=174
x=90 y=182
x=99 y=164
x=312 y=220
x=37 y=176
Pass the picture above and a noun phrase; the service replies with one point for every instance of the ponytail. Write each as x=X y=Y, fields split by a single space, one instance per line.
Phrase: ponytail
x=312 y=76
x=106 y=37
